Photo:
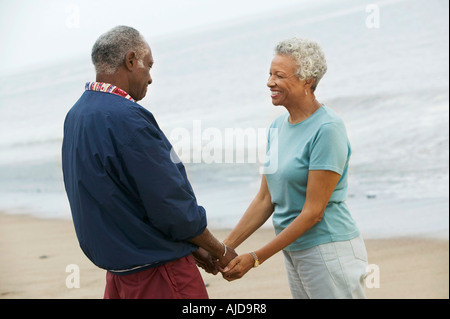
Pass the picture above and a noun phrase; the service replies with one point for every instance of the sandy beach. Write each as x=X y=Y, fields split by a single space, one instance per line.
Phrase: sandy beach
x=35 y=253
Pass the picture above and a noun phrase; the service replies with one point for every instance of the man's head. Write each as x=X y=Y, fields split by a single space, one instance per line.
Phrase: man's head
x=122 y=56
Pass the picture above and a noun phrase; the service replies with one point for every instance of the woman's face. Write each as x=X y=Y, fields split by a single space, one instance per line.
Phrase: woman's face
x=286 y=89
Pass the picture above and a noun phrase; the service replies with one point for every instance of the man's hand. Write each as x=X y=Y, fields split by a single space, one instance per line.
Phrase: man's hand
x=220 y=253
x=222 y=260
x=204 y=260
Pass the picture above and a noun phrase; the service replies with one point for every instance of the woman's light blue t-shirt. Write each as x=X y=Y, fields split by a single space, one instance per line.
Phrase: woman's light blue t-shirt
x=318 y=143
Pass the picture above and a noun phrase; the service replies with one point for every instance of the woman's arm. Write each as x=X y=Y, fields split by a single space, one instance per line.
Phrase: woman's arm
x=321 y=185
x=254 y=217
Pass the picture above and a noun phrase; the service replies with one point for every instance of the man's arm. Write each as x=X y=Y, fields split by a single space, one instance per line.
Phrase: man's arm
x=166 y=194
x=161 y=187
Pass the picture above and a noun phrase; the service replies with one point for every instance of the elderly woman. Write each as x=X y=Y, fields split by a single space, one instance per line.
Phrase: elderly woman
x=324 y=253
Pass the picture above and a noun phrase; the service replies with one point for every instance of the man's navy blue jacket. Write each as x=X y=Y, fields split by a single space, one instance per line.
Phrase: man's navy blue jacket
x=133 y=207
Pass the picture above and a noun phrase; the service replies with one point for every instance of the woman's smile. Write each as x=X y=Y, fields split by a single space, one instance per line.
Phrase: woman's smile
x=274 y=94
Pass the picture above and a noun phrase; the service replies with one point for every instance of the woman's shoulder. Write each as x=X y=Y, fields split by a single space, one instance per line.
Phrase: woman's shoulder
x=279 y=120
x=331 y=122
x=329 y=117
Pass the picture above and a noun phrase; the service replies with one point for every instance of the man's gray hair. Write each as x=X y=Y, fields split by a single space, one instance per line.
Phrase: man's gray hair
x=310 y=59
x=110 y=49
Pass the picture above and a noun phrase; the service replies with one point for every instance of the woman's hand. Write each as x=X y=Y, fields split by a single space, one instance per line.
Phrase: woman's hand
x=238 y=267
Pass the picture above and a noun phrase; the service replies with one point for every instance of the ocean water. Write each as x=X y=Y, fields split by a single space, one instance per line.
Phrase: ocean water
x=389 y=81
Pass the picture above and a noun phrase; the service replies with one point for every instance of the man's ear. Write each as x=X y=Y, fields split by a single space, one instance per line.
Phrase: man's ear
x=130 y=60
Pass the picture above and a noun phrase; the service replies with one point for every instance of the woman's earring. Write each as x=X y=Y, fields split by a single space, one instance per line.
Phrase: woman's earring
x=306 y=93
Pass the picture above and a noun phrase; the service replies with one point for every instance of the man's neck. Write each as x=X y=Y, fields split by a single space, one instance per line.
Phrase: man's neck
x=115 y=79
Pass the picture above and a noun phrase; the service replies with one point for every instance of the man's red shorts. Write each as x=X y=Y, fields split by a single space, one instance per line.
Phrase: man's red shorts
x=179 y=279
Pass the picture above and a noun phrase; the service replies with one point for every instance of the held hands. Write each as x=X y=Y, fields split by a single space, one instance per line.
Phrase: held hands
x=228 y=255
x=212 y=264
x=238 y=267
x=204 y=260
x=229 y=264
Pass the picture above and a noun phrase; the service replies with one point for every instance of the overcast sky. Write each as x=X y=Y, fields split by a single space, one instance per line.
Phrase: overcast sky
x=36 y=32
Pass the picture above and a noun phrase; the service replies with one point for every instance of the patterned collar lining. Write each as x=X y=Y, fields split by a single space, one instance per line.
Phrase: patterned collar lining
x=107 y=88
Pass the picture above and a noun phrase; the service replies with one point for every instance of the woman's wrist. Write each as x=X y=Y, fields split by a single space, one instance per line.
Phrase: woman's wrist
x=256 y=261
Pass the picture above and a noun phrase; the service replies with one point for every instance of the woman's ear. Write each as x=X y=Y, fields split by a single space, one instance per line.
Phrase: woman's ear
x=309 y=83
x=309 y=86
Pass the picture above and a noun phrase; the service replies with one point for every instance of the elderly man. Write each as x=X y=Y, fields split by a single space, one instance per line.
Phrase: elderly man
x=134 y=211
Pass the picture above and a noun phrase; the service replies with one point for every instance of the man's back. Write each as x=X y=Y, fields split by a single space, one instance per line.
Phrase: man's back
x=133 y=208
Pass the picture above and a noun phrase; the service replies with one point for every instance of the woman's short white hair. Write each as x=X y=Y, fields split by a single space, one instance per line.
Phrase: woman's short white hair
x=110 y=49
x=309 y=56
